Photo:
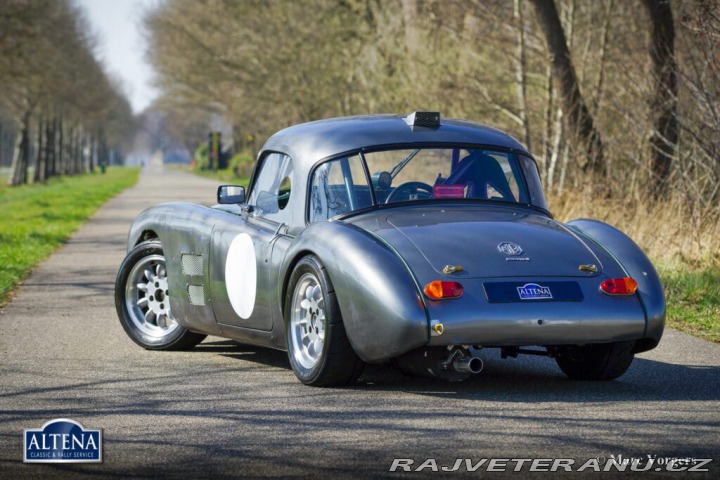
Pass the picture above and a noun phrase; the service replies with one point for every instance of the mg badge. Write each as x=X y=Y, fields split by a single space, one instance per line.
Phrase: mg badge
x=509 y=248
x=533 y=291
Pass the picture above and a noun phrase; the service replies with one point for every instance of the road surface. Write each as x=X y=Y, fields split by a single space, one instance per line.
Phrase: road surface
x=223 y=410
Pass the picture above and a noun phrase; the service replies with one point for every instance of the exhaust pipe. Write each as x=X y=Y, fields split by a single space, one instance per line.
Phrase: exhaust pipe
x=467 y=364
x=453 y=363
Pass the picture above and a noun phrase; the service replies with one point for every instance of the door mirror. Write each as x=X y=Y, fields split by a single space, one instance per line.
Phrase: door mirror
x=230 y=194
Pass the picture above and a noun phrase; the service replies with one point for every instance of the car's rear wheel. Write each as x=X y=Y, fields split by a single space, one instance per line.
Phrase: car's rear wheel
x=318 y=348
x=143 y=303
x=606 y=361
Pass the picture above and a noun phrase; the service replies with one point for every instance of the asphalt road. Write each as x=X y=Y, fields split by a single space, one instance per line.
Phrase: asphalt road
x=223 y=410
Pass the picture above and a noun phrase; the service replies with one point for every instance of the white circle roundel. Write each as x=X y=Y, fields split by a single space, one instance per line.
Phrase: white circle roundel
x=241 y=275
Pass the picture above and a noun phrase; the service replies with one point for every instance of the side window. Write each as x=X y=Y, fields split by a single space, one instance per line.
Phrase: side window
x=272 y=190
x=532 y=177
x=338 y=187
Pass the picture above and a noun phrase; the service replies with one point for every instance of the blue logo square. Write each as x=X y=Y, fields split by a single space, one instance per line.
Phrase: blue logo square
x=62 y=441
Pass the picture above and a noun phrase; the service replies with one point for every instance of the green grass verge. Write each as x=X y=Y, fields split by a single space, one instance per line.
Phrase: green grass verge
x=693 y=300
x=36 y=219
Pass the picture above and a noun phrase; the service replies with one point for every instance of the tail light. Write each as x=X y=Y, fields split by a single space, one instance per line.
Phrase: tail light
x=438 y=290
x=619 y=286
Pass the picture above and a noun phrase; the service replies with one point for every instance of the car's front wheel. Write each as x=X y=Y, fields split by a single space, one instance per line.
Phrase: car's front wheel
x=143 y=303
x=606 y=361
x=318 y=348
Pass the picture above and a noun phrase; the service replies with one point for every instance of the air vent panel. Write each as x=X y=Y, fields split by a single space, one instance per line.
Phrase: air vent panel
x=196 y=294
x=192 y=264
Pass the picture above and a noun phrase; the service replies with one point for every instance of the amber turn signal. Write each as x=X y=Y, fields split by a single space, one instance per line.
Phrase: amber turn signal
x=438 y=290
x=619 y=286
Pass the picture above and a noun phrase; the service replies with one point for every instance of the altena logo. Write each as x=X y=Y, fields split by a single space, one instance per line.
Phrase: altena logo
x=533 y=291
x=62 y=441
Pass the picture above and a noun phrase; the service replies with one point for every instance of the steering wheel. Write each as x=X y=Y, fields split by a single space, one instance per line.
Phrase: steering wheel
x=404 y=191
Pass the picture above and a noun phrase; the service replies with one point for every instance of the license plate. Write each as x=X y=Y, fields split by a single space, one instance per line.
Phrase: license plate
x=513 y=292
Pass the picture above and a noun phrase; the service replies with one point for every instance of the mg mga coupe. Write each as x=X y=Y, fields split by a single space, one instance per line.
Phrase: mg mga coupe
x=413 y=240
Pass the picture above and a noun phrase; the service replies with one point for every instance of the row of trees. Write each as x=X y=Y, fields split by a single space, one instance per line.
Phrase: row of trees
x=57 y=105
x=612 y=93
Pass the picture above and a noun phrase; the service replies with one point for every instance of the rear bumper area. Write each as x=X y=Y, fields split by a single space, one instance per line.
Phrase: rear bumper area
x=536 y=331
x=598 y=318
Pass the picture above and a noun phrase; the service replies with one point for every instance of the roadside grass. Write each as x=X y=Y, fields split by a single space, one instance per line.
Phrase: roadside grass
x=693 y=300
x=37 y=219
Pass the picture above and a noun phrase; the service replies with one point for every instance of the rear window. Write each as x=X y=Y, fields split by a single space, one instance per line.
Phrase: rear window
x=359 y=181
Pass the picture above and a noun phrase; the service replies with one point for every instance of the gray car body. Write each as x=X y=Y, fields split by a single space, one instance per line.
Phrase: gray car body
x=379 y=259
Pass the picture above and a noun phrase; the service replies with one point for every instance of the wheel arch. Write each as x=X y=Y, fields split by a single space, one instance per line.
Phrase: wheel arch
x=146 y=236
x=183 y=229
x=129 y=289
x=638 y=266
x=379 y=301
x=288 y=271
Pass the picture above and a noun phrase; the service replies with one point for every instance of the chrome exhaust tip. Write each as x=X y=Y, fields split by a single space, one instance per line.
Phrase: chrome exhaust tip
x=467 y=364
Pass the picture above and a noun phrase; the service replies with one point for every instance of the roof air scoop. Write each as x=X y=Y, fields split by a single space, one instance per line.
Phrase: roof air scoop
x=423 y=119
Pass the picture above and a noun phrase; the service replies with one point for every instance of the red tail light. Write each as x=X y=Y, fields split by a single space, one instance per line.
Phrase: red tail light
x=437 y=290
x=619 y=286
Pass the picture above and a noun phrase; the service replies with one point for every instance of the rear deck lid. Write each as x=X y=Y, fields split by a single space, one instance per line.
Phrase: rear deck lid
x=486 y=241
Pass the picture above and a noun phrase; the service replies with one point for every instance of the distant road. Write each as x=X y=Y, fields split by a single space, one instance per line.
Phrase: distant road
x=224 y=410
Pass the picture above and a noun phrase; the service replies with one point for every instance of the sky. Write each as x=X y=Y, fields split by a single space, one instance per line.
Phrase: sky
x=121 y=45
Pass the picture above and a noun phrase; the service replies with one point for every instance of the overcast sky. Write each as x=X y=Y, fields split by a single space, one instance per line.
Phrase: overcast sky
x=118 y=26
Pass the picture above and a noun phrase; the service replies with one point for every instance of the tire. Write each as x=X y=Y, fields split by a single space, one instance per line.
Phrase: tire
x=318 y=348
x=145 y=313
x=606 y=361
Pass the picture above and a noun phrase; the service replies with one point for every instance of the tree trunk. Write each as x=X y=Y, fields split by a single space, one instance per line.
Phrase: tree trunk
x=55 y=149
x=563 y=168
x=60 y=160
x=578 y=116
x=91 y=154
x=548 y=130
x=51 y=148
x=21 y=157
x=663 y=105
x=556 y=146
x=40 y=153
x=520 y=72
x=79 y=160
x=79 y=151
x=412 y=33
x=597 y=101
x=75 y=153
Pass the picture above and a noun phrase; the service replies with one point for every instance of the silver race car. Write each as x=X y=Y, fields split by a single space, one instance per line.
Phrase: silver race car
x=412 y=240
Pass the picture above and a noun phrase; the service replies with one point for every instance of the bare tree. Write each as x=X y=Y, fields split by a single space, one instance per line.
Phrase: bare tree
x=663 y=105
x=521 y=75
x=578 y=116
x=50 y=77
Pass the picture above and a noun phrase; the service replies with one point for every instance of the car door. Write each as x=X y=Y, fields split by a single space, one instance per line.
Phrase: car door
x=244 y=282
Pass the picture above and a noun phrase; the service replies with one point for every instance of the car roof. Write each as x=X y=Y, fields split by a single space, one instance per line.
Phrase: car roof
x=310 y=142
